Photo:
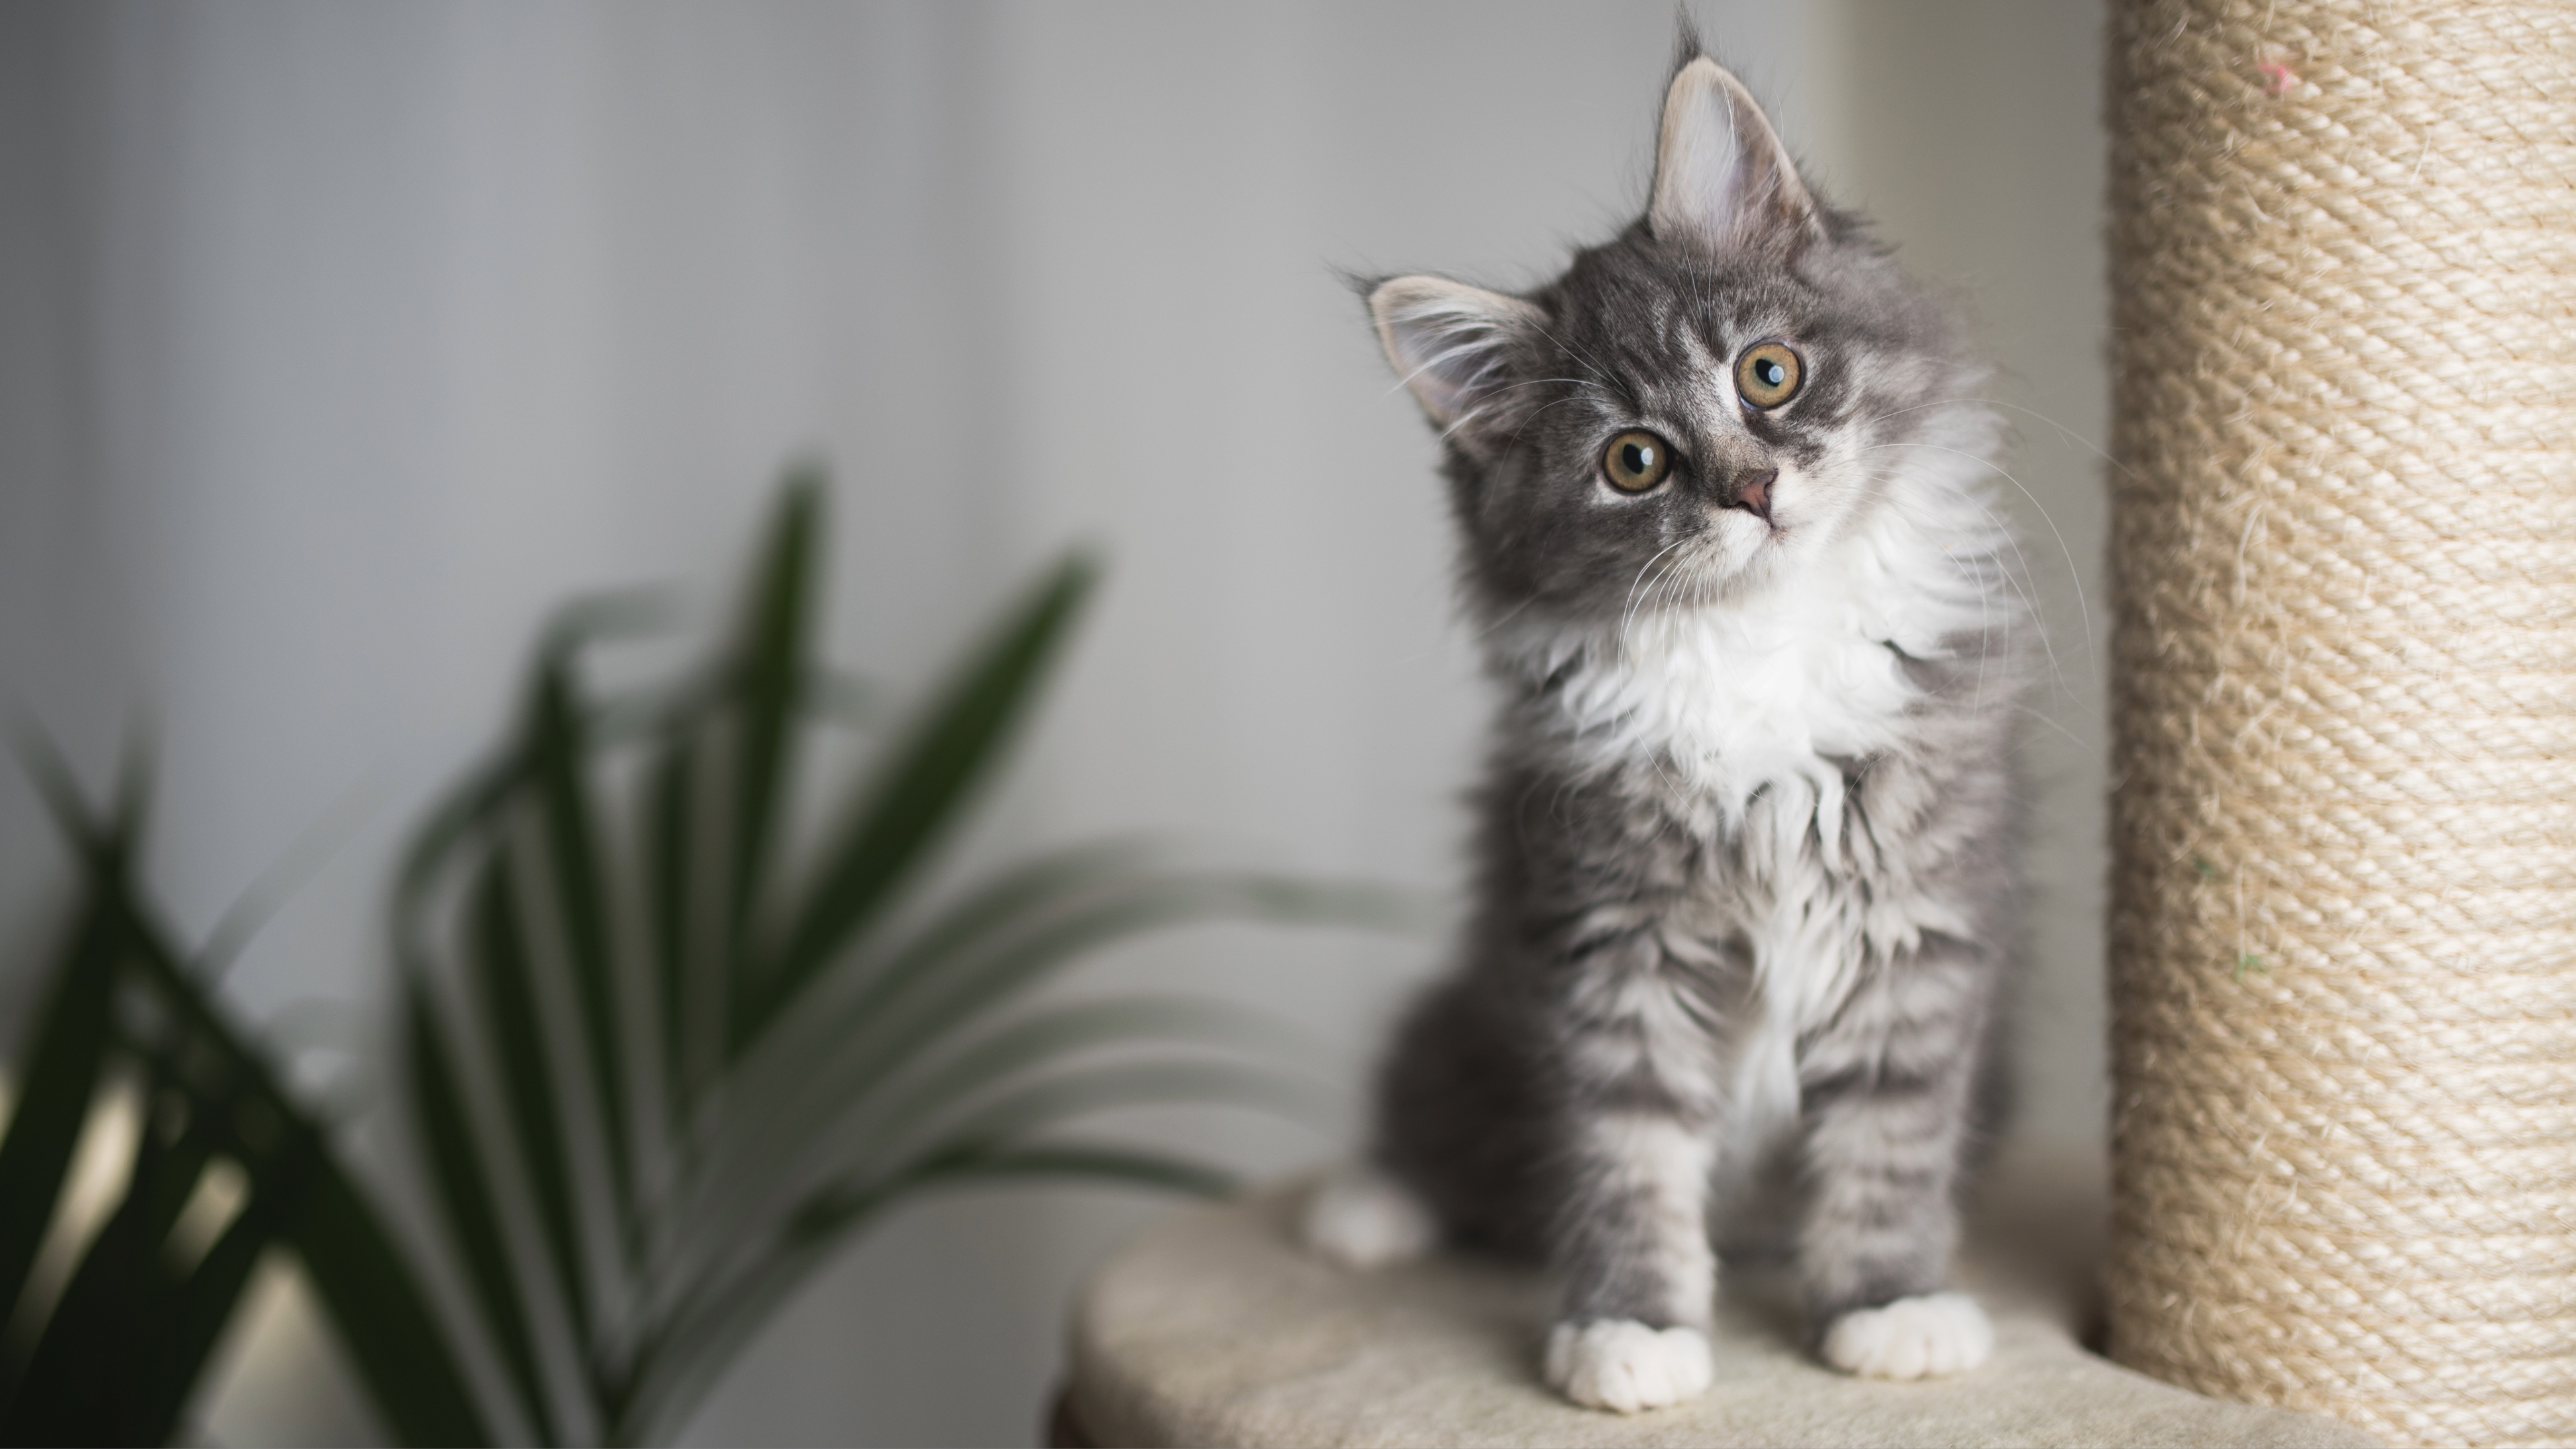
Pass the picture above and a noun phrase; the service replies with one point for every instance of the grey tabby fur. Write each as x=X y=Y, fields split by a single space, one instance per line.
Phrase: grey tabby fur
x=1746 y=887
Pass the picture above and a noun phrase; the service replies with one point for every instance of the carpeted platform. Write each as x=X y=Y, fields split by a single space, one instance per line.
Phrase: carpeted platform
x=1214 y=1328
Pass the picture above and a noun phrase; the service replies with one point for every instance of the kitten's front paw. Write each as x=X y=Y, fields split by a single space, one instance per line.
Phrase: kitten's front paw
x=1361 y=1218
x=1619 y=1363
x=1912 y=1338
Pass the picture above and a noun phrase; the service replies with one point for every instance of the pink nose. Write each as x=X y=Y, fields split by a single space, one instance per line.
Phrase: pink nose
x=1753 y=492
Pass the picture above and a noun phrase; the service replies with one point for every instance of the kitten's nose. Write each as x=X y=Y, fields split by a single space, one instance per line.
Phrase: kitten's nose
x=1753 y=492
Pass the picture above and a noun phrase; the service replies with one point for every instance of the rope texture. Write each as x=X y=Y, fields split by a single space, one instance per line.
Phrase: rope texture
x=2343 y=920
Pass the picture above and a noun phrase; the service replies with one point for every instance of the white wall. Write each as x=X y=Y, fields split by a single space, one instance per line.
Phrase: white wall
x=338 y=342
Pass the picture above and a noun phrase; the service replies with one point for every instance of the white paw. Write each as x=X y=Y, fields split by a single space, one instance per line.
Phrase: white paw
x=1619 y=1363
x=1911 y=1338
x=1361 y=1218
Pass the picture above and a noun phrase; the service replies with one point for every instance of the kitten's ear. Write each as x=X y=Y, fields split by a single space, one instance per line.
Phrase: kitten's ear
x=1722 y=178
x=1447 y=340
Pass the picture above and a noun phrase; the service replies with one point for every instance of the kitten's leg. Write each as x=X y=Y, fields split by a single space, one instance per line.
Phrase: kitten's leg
x=1885 y=1097
x=1641 y=1278
x=1641 y=1130
x=1458 y=1147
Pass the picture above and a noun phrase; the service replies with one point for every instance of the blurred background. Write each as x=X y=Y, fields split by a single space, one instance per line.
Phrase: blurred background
x=339 y=343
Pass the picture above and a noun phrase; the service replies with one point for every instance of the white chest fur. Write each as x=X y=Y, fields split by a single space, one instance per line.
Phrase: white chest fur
x=1751 y=712
x=1737 y=701
x=1766 y=696
x=1757 y=711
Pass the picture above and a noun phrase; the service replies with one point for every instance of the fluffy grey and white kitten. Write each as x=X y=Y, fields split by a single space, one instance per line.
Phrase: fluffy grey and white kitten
x=1746 y=890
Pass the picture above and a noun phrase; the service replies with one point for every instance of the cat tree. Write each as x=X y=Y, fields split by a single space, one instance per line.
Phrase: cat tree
x=2343 y=930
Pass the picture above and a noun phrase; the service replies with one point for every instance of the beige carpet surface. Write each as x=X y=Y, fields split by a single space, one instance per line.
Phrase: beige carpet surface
x=1214 y=1328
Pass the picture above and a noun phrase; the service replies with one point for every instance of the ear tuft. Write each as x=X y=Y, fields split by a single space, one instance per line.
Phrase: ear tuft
x=1722 y=178
x=1448 y=341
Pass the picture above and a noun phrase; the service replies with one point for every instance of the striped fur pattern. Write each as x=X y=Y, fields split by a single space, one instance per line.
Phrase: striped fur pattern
x=1746 y=881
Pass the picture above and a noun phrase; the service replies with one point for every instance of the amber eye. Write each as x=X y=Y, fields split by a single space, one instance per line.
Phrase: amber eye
x=1768 y=374
x=1636 y=462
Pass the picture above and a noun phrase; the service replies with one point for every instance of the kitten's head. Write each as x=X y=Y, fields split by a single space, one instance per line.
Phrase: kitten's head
x=1702 y=407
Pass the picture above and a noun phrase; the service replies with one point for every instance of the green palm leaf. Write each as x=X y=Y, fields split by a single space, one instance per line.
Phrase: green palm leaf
x=914 y=1006
x=375 y=1304
x=747 y=1196
x=1009 y=1119
x=127 y=1339
x=67 y=1040
x=466 y=1202
x=513 y=1026
x=826 y=1216
x=190 y=1321
x=365 y=1285
x=68 y=1380
x=689 y=988
x=580 y=894
x=810 y=1045
x=1025 y=1046
x=916 y=791
x=769 y=653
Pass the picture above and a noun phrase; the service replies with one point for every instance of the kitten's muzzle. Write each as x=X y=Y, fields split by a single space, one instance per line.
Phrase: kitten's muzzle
x=1751 y=491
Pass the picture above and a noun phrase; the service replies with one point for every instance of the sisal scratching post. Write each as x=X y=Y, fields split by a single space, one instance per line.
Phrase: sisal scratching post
x=2343 y=929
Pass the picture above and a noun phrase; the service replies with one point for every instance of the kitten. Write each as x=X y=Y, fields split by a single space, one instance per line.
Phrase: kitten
x=1745 y=883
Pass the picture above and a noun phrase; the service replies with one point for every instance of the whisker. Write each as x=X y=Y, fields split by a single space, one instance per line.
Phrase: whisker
x=1639 y=581
x=1533 y=417
x=1609 y=379
x=1983 y=578
x=2074 y=576
x=1502 y=618
x=2052 y=724
x=2014 y=578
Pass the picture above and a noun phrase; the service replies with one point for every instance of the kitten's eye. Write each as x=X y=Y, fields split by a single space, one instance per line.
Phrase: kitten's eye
x=1768 y=374
x=1636 y=462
